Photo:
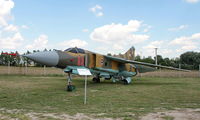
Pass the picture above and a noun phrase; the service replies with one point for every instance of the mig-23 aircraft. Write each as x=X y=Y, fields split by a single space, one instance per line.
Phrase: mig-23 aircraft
x=100 y=66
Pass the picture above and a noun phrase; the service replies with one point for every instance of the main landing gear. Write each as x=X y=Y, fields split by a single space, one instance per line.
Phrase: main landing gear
x=96 y=79
x=69 y=87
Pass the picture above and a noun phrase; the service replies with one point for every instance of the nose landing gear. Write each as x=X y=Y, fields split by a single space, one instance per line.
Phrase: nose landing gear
x=69 y=87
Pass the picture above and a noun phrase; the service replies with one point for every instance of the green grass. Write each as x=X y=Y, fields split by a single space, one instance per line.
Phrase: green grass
x=144 y=95
x=168 y=118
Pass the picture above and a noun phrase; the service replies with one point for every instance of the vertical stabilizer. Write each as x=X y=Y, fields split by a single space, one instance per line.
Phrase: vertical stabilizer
x=130 y=54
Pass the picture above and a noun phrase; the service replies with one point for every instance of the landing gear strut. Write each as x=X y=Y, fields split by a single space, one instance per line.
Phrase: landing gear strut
x=69 y=87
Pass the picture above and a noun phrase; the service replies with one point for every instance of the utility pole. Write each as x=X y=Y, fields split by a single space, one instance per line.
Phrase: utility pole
x=199 y=67
x=199 y=70
x=156 y=59
x=179 y=71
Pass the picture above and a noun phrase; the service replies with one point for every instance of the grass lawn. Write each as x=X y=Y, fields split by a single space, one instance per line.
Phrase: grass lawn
x=113 y=100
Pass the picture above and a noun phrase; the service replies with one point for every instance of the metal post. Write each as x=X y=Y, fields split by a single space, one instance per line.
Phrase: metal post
x=44 y=70
x=199 y=70
x=179 y=71
x=8 y=67
x=199 y=67
x=26 y=67
x=63 y=72
x=156 y=59
x=156 y=49
x=85 y=95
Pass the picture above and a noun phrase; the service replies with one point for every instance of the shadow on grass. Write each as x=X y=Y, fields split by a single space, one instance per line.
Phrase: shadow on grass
x=157 y=83
x=136 y=83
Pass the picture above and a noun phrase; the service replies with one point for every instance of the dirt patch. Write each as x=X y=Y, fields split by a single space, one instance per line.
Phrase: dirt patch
x=8 y=114
x=178 y=114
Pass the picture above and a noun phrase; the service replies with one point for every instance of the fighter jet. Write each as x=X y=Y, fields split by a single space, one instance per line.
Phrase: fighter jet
x=112 y=68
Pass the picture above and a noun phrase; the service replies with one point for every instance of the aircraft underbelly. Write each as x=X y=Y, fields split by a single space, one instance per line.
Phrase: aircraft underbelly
x=127 y=74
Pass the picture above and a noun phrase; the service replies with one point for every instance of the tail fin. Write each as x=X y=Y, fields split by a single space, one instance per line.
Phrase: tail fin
x=130 y=54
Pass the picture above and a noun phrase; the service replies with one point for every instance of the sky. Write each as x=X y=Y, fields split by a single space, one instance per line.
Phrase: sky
x=102 y=26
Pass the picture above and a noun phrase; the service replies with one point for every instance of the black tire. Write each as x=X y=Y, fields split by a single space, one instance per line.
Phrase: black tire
x=70 y=88
x=125 y=82
x=96 y=80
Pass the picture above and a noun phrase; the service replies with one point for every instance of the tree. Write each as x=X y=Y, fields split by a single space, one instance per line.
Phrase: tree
x=167 y=62
x=148 y=60
x=109 y=54
x=137 y=58
x=190 y=59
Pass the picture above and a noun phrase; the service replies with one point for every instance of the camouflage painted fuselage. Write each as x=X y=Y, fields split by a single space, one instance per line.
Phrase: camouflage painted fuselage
x=118 y=67
x=98 y=64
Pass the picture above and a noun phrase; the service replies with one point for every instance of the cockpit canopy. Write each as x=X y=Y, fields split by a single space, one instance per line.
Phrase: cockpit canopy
x=75 y=50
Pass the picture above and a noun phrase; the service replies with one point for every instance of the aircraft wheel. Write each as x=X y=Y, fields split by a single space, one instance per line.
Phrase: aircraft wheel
x=97 y=80
x=125 y=82
x=70 y=88
x=94 y=79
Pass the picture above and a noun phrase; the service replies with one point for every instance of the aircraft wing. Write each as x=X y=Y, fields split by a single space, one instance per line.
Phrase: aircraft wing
x=143 y=64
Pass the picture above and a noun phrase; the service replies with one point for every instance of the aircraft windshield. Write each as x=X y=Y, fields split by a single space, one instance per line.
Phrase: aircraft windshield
x=75 y=50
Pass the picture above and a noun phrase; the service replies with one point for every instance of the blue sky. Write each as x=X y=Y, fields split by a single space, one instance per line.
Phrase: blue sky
x=101 y=25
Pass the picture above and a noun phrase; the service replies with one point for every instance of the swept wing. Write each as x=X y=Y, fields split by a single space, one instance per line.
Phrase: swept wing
x=140 y=65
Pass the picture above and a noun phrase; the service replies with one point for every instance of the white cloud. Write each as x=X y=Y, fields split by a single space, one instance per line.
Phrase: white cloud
x=99 y=14
x=24 y=27
x=39 y=43
x=192 y=1
x=186 y=43
x=146 y=28
x=181 y=27
x=149 y=49
x=97 y=10
x=85 y=30
x=154 y=44
x=10 y=37
x=73 y=43
x=117 y=47
x=11 y=42
x=119 y=36
x=11 y=28
x=5 y=10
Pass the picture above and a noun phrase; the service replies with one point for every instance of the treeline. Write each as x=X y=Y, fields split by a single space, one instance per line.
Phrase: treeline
x=13 y=59
x=187 y=60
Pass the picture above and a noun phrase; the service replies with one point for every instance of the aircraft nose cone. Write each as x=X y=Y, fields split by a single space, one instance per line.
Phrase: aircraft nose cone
x=49 y=58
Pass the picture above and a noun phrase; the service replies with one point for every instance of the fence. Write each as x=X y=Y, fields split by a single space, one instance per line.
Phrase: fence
x=170 y=73
x=30 y=70
x=56 y=71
